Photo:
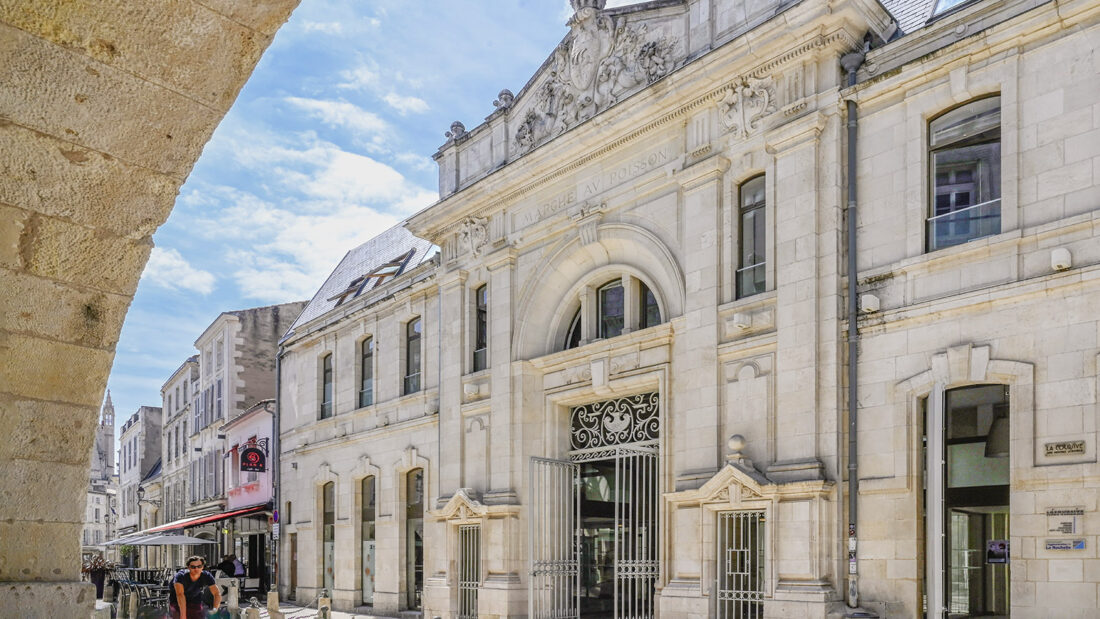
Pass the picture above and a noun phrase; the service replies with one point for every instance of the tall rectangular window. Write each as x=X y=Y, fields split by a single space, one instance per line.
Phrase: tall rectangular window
x=751 y=275
x=481 y=328
x=366 y=372
x=328 y=533
x=412 y=356
x=367 y=538
x=611 y=309
x=414 y=537
x=965 y=153
x=326 y=386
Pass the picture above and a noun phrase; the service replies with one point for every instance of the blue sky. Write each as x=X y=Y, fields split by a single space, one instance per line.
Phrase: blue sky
x=328 y=144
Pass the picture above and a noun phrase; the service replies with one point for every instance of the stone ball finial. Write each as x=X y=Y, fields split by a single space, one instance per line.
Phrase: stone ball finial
x=736 y=443
x=457 y=130
x=504 y=99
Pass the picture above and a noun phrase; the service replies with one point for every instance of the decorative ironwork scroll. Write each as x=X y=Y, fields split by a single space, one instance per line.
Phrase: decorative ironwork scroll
x=632 y=419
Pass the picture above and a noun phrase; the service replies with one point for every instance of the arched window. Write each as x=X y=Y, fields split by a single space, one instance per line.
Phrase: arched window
x=618 y=306
x=326 y=386
x=573 y=337
x=965 y=164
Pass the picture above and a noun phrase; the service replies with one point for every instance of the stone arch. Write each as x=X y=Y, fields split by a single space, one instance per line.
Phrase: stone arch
x=627 y=248
x=95 y=173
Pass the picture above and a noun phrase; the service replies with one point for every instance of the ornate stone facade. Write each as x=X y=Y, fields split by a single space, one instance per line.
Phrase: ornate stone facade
x=650 y=250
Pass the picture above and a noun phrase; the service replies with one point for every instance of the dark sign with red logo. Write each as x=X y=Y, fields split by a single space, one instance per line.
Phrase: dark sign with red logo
x=253 y=460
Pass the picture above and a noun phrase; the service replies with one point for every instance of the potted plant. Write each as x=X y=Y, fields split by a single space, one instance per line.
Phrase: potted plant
x=96 y=567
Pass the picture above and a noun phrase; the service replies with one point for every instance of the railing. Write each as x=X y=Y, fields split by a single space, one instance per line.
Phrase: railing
x=412 y=383
x=751 y=280
x=963 y=225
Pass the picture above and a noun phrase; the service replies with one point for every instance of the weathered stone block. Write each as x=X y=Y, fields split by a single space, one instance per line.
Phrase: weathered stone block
x=65 y=500
x=46 y=430
x=52 y=371
x=13 y=223
x=40 y=550
x=54 y=177
x=77 y=316
x=83 y=255
x=39 y=600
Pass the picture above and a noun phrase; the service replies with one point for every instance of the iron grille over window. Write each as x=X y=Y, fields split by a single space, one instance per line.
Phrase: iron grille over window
x=965 y=153
x=740 y=590
x=469 y=569
x=632 y=419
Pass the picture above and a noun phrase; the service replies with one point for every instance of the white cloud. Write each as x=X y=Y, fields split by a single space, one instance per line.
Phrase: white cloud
x=405 y=105
x=359 y=78
x=167 y=268
x=325 y=27
x=343 y=115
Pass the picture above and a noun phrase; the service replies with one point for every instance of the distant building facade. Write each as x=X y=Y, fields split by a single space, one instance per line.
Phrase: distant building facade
x=622 y=389
x=138 y=454
x=100 y=519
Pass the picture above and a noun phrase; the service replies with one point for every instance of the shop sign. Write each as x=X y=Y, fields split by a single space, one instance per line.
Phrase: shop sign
x=1064 y=520
x=253 y=460
x=275 y=531
x=1065 y=544
x=1065 y=448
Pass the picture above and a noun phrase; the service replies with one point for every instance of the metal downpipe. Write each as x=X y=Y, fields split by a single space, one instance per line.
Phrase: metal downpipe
x=851 y=63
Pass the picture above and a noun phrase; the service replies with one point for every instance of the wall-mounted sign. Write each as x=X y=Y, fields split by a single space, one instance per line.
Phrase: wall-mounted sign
x=253 y=460
x=1065 y=448
x=1064 y=520
x=1065 y=544
x=996 y=551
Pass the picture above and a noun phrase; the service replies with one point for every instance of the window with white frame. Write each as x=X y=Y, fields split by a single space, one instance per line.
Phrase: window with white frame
x=481 y=328
x=326 y=386
x=366 y=372
x=412 y=356
x=618 y=306
x=965 y=165
x=751 y=272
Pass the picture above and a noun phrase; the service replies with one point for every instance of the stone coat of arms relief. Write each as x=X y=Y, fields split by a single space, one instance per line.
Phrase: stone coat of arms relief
x=602 y=60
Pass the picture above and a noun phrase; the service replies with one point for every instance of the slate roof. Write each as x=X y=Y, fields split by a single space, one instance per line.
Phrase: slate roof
x=376 y=252
x=911 y=15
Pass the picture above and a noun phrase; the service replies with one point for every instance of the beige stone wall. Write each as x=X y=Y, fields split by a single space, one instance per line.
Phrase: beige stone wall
x=106 y=108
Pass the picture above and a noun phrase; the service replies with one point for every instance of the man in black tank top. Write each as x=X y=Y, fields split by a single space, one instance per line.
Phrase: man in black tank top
x=188 y=585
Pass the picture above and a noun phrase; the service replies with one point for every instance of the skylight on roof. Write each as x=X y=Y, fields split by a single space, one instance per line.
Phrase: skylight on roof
x=393 y=268
x=942 y=6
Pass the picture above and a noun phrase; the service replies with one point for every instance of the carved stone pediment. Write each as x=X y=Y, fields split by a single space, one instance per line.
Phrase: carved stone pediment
x=735 y=483
x=465 y=504
x=601 y=60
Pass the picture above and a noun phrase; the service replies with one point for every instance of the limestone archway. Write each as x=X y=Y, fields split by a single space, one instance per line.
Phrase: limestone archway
x=104 y=109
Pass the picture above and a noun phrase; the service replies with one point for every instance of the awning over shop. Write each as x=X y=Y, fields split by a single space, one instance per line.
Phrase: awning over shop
x=187 y=523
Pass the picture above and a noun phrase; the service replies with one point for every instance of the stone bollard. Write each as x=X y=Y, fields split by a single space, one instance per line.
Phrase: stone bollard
x=252 y=613
x=324 y=605
x=272 y=600
x=233 y=597
x=124 y=604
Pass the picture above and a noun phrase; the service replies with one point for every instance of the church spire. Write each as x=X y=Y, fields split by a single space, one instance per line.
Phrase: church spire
x=108 y=416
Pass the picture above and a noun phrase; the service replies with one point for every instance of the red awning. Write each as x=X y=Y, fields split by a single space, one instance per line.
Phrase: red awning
x=187 y=523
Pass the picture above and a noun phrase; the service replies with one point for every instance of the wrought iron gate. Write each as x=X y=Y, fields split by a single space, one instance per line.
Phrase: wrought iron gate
x=740 y=586
x=469 y=569
x=553 y=538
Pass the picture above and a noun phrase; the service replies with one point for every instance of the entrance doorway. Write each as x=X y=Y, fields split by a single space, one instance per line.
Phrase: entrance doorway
x=967 y=503
x=595 y=517
x=292 y=593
